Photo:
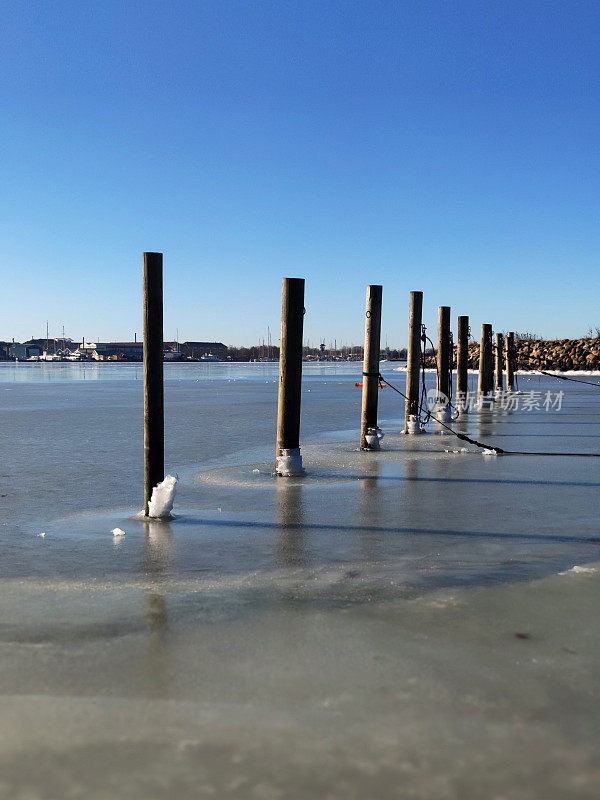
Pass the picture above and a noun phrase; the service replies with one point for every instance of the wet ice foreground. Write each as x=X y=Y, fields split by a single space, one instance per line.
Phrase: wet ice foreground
x=410 y=623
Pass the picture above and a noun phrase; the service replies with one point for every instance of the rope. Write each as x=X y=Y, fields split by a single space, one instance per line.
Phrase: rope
x=565 y=378
x=493 y=448
x=456 y=412
x=462 y=436
x=423 y=398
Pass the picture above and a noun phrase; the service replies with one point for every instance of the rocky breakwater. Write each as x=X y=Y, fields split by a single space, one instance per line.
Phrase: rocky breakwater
x=546 y=354
x=559 y=354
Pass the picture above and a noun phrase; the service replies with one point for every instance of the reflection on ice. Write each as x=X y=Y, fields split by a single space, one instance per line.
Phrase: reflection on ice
x=291 y=548
x=158 y=548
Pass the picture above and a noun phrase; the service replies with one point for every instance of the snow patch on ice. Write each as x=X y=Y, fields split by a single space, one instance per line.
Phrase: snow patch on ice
x=576 y=570
x=488 y=452
x=117 y=532
x=163 y=496
x=460 y=450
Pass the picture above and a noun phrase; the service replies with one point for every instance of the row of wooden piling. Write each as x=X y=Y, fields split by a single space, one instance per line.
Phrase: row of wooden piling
x=288 y=458
x=493 y=359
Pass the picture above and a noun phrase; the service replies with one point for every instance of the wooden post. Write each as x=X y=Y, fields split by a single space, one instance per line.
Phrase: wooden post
x=443 y=363
x=499 y=356
x=154 y=424
x=510 y=361
x=486 y=377
x=369 y=440
x=413 y=362
x=462 y=364
x=490 y=364
x=289 y=460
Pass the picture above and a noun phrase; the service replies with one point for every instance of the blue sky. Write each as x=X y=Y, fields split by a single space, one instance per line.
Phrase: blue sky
x=450 y=147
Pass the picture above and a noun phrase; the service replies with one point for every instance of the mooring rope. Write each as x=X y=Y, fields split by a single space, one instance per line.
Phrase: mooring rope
x=490 y=447
x=455 y=412
x=462 y=436
x=567 y=378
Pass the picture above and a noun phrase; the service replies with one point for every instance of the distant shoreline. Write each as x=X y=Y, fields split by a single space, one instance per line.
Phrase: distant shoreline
x=400 y=365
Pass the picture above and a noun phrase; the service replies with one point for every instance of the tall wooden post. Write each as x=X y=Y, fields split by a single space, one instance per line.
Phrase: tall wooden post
x=486 y=376
x=368 y=438
x=289 y=460
x=154 y=424
x=462 y=363
x=413 y=362
x=490 y=364
x=443 y=363
x=510 y=361
x=499 y=357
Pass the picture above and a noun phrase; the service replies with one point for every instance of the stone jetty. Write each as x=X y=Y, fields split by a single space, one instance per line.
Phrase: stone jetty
x=546 y=354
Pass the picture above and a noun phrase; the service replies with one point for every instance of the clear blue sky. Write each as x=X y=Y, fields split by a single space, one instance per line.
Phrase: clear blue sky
x=445 y=146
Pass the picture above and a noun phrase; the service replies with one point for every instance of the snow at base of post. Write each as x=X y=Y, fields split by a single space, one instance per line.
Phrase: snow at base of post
x=163 y=495
x=413 y=425
x=444 y=414
x=289 y=463
x=373 y=438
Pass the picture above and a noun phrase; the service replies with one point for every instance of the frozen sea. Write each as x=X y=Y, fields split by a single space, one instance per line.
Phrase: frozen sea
x=420 y=622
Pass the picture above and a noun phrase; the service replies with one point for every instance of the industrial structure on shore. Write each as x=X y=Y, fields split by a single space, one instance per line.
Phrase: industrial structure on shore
x=54 y=349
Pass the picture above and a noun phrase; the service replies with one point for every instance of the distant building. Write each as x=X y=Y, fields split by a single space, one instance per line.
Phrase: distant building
x=66 y=349
x=85 y=349
x=172 y=351
x=199 y=349
x=21 y=352
x=53 y=345
x=118 y=351
x=110 y=351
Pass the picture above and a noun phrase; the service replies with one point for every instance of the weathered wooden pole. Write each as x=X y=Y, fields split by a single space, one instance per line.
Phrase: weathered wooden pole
x=443 y=364
x=289 y=460
x=154 y=416
x=486 y=377
x=462 y=364
x=499 y=356
x=490 y=364
x=369 y=430
x=413 y=363
x=510 y=361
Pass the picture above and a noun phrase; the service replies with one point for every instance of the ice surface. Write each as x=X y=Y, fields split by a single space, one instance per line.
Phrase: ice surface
x=391 y=624
x=346 y=690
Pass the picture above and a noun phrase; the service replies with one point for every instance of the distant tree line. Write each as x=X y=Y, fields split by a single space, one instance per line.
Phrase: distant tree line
x=263 y=352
